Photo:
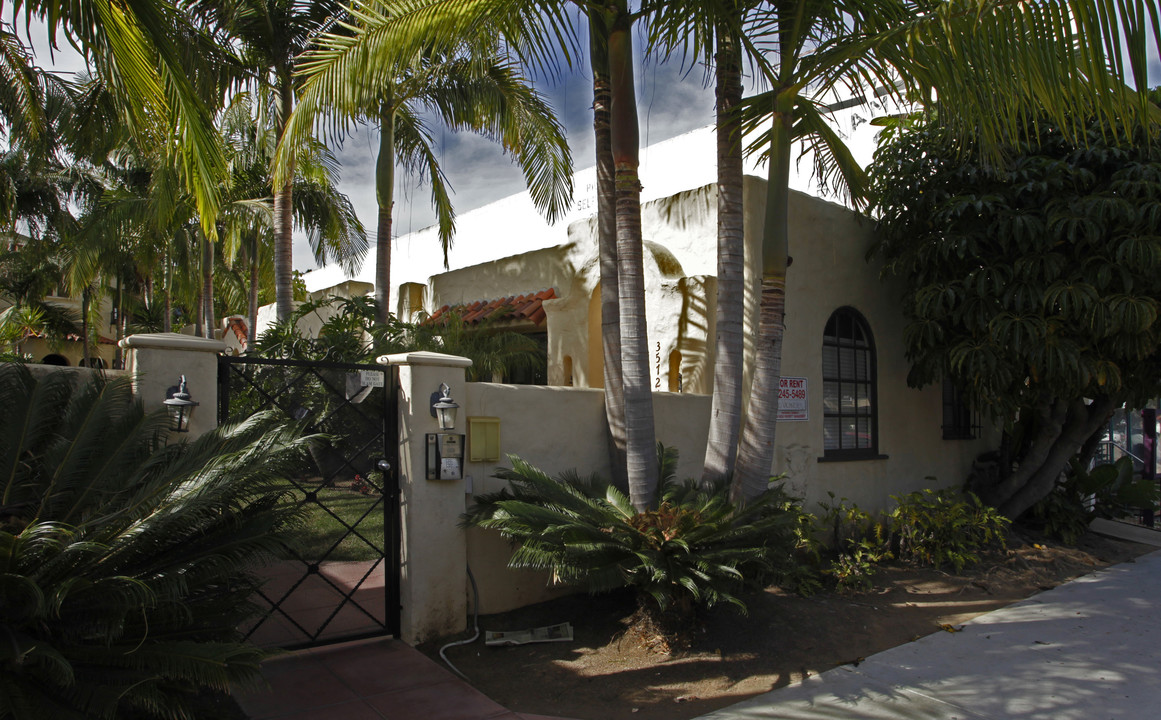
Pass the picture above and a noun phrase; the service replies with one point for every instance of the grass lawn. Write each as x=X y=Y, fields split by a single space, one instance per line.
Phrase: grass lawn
x=316 y=539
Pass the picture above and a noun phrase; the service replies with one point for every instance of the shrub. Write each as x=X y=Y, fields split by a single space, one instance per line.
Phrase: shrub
x=694 y=551
x=1109 y=490
x=855 y=544
x=943 y=528
x=123 y=559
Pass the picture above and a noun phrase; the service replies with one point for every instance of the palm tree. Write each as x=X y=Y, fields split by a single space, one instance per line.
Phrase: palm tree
x=128 y=562
x=991 y=64
x=160 y=70
x=470 y=89
x=713 y=30
x=607 y=250
x=328 y=217
x=272 y=34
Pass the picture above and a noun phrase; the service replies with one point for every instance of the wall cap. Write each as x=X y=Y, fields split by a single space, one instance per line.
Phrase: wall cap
x=172 y=341
x=433 y=359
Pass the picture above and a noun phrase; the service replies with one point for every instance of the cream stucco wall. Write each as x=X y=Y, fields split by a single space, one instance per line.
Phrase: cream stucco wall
x=559 y=429
x=556 y=429
x=829 y=245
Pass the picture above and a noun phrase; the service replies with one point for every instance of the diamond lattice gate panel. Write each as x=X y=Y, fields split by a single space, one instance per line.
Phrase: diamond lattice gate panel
x=339 y=577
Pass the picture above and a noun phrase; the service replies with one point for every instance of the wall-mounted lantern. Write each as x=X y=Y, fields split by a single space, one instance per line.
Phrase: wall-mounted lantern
x=443 y=408
x=180 y=406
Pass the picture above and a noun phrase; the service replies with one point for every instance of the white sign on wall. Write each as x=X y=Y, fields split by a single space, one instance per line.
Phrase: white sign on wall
x=371 y=378
x=792 y=400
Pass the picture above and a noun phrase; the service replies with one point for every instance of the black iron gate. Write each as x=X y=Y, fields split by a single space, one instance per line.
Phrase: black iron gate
x=340 y=578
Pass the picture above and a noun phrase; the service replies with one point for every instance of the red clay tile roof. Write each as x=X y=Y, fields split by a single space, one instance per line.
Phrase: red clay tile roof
x=238 y=325
x=516 y=307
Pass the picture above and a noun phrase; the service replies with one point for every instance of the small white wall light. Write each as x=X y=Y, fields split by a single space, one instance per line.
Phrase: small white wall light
x=179 y=405
x=443 y=408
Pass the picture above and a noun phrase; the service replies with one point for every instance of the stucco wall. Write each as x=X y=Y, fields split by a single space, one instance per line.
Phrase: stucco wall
x=829 y=245
x=564 y=428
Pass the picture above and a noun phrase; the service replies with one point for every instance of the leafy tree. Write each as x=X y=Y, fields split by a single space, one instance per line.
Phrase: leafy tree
x=272 y=35
x=125 y=561
x=160 y=70
x=353 y=333
x=992 y=64
x=1033 y=287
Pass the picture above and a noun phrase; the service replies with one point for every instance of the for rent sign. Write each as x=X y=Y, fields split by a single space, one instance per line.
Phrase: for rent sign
x=792 y=406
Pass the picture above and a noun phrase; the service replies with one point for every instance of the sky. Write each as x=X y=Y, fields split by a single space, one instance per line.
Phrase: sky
x=672 y=100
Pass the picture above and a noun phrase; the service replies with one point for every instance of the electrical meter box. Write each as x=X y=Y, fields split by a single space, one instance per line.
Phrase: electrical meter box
x=445 y=456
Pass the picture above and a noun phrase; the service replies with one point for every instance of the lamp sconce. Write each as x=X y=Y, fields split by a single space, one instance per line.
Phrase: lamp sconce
x=179 y=405
x=443 y=408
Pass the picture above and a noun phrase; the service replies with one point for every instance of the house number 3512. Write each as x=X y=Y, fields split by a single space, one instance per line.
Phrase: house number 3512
x=657 y=357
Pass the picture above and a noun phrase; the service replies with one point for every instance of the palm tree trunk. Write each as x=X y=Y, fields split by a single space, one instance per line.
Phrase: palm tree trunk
x=86 y=300
x=199 y=317
x=167 y=321
x=607 y=244
x=208 y=286
x=252 y=331
x=120 y=325
x=385 y=195
x=726 y=407
x=283 y=228
x=756 y=449
x=640 y=450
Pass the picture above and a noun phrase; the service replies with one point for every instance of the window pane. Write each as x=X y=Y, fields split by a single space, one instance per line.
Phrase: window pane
x=848 y=383
x=861 y=362
x=848 y=398
x=830 y=395
x=849 y=434
x=830 y=433
x=847 y=363
x=830 y=363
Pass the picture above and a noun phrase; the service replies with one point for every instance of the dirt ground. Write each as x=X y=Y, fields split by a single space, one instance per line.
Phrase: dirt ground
x=603 y=675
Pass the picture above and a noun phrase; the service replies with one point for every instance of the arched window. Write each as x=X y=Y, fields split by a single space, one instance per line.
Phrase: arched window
x=849 y=412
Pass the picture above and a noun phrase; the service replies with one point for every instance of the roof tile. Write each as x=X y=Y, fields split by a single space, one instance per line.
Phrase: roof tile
x=515 y=307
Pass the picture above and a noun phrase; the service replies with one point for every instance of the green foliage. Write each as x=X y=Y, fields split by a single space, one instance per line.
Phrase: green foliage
x=943 y=527
x=1109 y=490
x=694 y=550
x=854 y=546
x=928 y=527
x=1038 y=277
x=124 y=560
x=350 y=333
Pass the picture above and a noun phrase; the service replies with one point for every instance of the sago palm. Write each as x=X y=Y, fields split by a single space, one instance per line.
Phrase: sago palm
x=695 y=550
x=124 y=561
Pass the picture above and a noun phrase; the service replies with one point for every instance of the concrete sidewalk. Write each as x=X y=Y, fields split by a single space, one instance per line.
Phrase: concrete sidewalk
x=1087 y=650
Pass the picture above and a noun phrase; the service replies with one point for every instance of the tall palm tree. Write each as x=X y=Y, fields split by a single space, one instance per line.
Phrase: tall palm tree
x=163 y=73
x=713 y=31
x=390 y=35
x=272 y=35
x=614 y=385
x=469 y=89
x=991 y=65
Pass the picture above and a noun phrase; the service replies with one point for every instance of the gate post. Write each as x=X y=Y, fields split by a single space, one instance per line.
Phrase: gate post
x=433 y=577
x=158 y=360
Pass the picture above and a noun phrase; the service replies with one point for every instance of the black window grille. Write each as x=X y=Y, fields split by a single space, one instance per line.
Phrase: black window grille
x=960 y=421
x=850 y=416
